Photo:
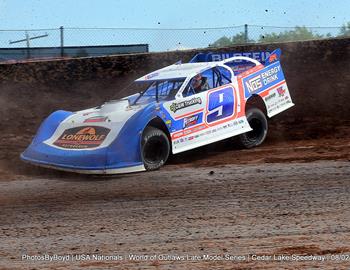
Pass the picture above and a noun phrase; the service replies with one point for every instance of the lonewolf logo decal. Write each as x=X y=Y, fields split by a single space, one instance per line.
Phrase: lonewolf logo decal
x=82 y=137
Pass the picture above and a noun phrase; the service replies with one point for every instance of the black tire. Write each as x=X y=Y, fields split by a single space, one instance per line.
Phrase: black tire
x=155 y=148
x=258 y=122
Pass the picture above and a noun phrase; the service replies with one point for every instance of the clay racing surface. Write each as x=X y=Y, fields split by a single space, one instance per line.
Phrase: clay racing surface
x=289 y=196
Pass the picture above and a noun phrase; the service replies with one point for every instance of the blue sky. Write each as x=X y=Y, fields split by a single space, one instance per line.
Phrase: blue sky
x=23 y=14
x=33 y=14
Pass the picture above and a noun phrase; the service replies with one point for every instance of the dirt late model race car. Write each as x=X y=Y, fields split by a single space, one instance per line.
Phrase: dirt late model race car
x=175 y=109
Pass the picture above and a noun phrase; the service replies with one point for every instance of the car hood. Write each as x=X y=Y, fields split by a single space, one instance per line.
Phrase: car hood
x=92 y=128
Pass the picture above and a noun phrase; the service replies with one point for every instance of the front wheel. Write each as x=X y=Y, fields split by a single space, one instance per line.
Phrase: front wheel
x=155 y=148
x=258 y=122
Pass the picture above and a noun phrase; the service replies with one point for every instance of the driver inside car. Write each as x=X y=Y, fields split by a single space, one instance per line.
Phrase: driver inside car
x=199 y=83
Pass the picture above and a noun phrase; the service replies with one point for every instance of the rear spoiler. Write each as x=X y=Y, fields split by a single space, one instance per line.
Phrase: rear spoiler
x=264 y=57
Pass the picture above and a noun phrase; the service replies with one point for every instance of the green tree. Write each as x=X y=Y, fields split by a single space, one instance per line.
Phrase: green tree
x=298 y=33
x=236 y=39
x=222 y=42
x=345 y=30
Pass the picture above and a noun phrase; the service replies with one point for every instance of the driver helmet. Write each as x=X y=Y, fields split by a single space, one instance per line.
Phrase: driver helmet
x=197 y=81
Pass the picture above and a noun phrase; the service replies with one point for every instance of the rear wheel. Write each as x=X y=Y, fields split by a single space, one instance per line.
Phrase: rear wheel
x=155 y=148
x=258 y=122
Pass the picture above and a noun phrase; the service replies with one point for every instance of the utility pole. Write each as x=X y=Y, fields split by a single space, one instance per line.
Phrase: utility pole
x=246 y=33
x=28 y=45
x=62 y=41
x=27 y=40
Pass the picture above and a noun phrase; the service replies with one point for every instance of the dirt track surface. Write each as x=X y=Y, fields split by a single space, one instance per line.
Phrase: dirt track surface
x=254 y=205
x=289 y=196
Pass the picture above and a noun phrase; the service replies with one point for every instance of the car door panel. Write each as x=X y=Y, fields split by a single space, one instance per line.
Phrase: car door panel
x=205 y=117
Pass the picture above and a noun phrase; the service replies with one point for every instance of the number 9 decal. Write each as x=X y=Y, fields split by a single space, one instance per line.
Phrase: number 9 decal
x=220 y=104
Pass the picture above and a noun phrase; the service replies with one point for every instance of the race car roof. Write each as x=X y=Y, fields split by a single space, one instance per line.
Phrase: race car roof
x=177 y=71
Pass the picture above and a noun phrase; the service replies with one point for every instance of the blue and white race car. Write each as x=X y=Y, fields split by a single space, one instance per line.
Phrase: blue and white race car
x=175 y=109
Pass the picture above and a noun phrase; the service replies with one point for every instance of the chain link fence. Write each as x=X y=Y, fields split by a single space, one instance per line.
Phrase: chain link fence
x=161 y=39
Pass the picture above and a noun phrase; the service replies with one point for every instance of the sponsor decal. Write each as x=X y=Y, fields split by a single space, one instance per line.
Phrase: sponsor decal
x=260 y=56
x=233 y=125
x=174 y=107
x=278 y=105
x=272 y=58
x=263 y=79
x=270 y=75
x=242 y=68
x=281 y=91
x=82 y=137
x=198 y=128
x=190 y=121
x=254 y=84
x=96 y=119
x=270 y=97
x=177 y=135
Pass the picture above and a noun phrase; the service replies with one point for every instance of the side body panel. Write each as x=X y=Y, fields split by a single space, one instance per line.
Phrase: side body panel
x=205 y=117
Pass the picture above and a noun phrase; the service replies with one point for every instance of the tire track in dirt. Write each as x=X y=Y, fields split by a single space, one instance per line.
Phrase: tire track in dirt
x=239 y=209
